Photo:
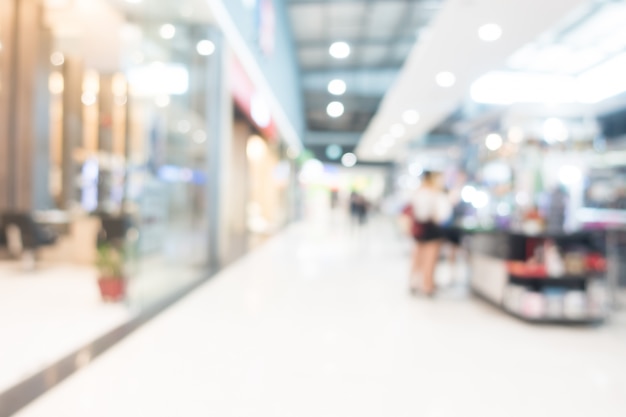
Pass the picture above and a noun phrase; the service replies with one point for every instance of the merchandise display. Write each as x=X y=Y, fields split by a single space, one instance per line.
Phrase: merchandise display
x=556 y=278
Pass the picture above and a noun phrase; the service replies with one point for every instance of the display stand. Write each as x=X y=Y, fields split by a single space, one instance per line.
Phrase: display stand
x=556 y=278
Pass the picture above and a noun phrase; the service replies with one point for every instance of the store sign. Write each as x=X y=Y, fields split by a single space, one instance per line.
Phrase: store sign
x=250 y=101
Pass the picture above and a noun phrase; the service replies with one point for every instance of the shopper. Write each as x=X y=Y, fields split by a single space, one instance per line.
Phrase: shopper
x=431 y=208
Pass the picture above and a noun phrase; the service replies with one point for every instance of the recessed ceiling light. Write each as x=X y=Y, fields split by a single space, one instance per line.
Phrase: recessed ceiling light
x=411 y=117
x=398 y=130
x=349 y=160
x=490 y=32
x=205 y=47
x=493 y=142
x=339 y=50
x=335 y=109
x=445 y=79
x=333 y=152
x=337 y=87
x=167 y=31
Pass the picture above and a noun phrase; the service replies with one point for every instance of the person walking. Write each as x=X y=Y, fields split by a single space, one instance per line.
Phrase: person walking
x=431 y=207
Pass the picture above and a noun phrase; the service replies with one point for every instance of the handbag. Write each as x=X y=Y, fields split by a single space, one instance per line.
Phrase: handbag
x=416 y=227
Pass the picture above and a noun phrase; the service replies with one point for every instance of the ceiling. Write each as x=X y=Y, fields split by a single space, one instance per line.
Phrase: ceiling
x=453 y=45
x=381 y=34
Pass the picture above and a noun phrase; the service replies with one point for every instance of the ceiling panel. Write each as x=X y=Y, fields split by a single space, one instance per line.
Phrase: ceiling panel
x=380 y=33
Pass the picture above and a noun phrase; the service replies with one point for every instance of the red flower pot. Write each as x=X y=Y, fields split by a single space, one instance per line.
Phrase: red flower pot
x=112 y=289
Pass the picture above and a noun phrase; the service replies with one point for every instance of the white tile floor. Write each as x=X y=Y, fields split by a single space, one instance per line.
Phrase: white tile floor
x=47 y=313
x=318 y=322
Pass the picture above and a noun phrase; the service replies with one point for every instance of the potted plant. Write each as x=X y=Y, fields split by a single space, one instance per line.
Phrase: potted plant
x=110 y=264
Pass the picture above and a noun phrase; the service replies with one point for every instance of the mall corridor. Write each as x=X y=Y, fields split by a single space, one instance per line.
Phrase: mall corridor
x=318 y=322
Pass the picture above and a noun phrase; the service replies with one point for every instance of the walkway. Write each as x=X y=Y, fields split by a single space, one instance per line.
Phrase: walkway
x=318 y=323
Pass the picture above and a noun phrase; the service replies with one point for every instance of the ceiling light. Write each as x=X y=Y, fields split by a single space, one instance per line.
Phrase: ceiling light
x=339 y=50
x=604 y=81
x=88 y=98
x=57 y=59
x=398 y=130
x=445 y=79
x=199 y=136
x=570 y=175
x=335 y=109
x=501 y=87
x=480 y=199
x=411 y=117
x=333 y=152
x=256 y=148
x=337 y=87
x=493 y=142
x=349 y=160
x=490 y=32
x=167 y=31
x=56 y=83
x=205 y=47
x=554 y=130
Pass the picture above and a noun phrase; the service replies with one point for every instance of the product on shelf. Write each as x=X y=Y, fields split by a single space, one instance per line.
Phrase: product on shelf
x=575 y=305
x=554 y=302
x=533 y=305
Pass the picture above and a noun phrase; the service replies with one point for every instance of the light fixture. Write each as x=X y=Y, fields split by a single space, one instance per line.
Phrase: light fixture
x=603 y=81
x=88 y=98
x=337 y=87
x=445 y=79
x=493 y=142
x=167 y=31
x=480 y=199
x=57 y=59
x=339 y=50
x=205 y=47
x=334 y=152
x=56 y=83
x=411 y=117
x=398 y=130
x=467 y=193
x=335 y=109
x=570 y=175
x=490 y=32
x=349 y=160
x=554 y=130
x=199 y=136
x=256 y=148
x=134 y=1
x=502 y=87
x=516 y=134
